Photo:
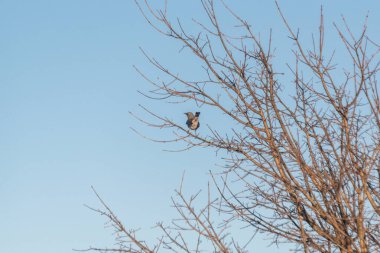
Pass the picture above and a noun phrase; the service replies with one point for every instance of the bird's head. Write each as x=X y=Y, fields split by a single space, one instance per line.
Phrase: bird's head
x=189 y=114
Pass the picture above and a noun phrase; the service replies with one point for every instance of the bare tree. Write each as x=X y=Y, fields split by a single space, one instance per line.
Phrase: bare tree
x=306 y=158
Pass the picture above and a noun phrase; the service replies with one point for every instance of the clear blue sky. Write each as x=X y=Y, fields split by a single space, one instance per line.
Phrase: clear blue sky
x=66 y=87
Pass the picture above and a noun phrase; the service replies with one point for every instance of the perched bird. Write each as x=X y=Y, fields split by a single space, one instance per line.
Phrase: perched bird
x=192 y=121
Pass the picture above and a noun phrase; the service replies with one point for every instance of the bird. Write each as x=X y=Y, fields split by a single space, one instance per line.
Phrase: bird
x=192 y=121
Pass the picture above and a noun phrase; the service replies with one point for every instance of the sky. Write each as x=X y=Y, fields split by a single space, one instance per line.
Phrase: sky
x=67 y=85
